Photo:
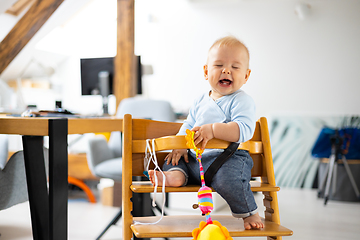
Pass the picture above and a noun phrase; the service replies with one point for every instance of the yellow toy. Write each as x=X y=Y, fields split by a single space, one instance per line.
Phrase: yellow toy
x=210 y=229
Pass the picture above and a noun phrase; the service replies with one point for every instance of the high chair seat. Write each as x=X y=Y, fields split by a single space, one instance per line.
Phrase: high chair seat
x=147 y=187
x=183 y=225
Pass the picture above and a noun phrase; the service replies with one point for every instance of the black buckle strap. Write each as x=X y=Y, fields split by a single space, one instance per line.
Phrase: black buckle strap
x=219 y=161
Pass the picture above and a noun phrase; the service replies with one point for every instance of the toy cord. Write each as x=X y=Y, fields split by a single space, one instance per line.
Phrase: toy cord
x=204 y=193
x=150 y=156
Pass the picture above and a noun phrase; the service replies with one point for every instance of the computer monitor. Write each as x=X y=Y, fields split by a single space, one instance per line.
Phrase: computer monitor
x=93 y=69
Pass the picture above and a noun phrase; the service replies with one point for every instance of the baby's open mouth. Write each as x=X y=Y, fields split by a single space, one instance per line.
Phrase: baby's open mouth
x=226 y=82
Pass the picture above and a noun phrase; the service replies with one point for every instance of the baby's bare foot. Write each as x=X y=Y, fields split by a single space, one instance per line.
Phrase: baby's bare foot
x=172 y=178
x=253 y=222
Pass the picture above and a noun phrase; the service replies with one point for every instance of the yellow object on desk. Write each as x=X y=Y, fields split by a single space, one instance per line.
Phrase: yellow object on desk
x=105 y=134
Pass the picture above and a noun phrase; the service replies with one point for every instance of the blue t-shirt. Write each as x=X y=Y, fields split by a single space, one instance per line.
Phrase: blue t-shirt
x=237 y=107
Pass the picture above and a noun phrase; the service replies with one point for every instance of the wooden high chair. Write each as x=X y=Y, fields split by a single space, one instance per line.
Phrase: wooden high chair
x=136 y=131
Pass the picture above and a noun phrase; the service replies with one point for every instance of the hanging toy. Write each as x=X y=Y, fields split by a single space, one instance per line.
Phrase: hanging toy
x=205 y=201
x=210 y=229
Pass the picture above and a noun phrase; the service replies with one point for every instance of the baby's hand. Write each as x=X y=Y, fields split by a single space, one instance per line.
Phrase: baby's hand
x=203 y=134
x=175 y=156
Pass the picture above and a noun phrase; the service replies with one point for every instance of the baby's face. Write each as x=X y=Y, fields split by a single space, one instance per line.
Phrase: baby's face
x=227 y=70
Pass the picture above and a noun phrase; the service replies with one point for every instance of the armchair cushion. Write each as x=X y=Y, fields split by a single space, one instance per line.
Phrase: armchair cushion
x=13 y=188
x=3 y=150
x=98 y=152
x=109 y=169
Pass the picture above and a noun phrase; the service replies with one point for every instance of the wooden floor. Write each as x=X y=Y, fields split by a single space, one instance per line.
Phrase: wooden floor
x=300 y=210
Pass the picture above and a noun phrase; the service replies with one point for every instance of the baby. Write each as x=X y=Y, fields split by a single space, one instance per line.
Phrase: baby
x=225 y=112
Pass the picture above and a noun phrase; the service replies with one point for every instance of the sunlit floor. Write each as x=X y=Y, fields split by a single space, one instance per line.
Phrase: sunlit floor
x=300 y=211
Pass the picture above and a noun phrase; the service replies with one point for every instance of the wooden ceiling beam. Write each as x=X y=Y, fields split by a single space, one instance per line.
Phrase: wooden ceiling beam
x=18 y=7
x=124 y=63
x=25 y=29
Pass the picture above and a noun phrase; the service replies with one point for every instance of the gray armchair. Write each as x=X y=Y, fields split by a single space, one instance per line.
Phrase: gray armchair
x=104 y=158
x=13 y=187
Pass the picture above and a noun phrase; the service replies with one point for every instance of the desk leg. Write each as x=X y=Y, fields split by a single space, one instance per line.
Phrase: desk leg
x=48 y=208
x=58 y=178
x=37 y=186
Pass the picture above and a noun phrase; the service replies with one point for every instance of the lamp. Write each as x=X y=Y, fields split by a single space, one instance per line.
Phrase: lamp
x=104 y=82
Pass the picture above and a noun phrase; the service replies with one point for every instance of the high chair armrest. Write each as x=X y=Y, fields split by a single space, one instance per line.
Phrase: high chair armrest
x=179 y=142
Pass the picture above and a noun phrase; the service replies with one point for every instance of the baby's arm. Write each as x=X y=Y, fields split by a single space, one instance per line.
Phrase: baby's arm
x=224 y=131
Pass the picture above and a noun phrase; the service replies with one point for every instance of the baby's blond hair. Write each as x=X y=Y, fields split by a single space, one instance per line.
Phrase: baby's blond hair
x=231 y=42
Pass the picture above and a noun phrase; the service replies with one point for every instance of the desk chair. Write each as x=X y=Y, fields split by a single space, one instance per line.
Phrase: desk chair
x=105 y=158
x=136 y=131
x=13 y=188
x=4 y=150
x=13 y=184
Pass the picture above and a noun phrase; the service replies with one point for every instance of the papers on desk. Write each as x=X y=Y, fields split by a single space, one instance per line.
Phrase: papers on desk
x=45 y=113
x=11 y=111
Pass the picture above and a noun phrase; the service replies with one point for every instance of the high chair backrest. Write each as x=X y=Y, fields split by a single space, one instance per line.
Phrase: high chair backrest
x=142 y=131
x=137 y=131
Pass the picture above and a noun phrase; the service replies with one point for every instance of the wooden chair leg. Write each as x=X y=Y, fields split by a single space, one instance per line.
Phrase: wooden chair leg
x=113 y=222
x=271 y=210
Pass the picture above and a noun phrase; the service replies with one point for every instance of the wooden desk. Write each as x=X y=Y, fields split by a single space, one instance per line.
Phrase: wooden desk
x=48 y=206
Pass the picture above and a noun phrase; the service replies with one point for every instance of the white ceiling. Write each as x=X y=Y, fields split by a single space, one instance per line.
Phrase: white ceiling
x=66 y=11
x=6 y=4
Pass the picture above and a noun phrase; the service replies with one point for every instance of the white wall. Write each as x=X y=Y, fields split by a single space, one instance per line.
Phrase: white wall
x=308 y=66
x=75 y=30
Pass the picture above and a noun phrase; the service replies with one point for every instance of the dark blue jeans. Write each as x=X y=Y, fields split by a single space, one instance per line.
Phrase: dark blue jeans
x=232 y=181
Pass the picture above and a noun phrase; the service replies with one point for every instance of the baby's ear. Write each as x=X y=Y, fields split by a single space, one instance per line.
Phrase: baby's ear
x=206 y=72
x=248 y=71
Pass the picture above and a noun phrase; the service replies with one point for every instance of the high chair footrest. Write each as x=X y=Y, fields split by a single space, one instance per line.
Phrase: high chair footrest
x=182 y=226
x=146 y=187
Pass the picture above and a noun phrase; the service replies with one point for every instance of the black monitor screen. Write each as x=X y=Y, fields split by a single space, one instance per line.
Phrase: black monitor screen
x=90 y=68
